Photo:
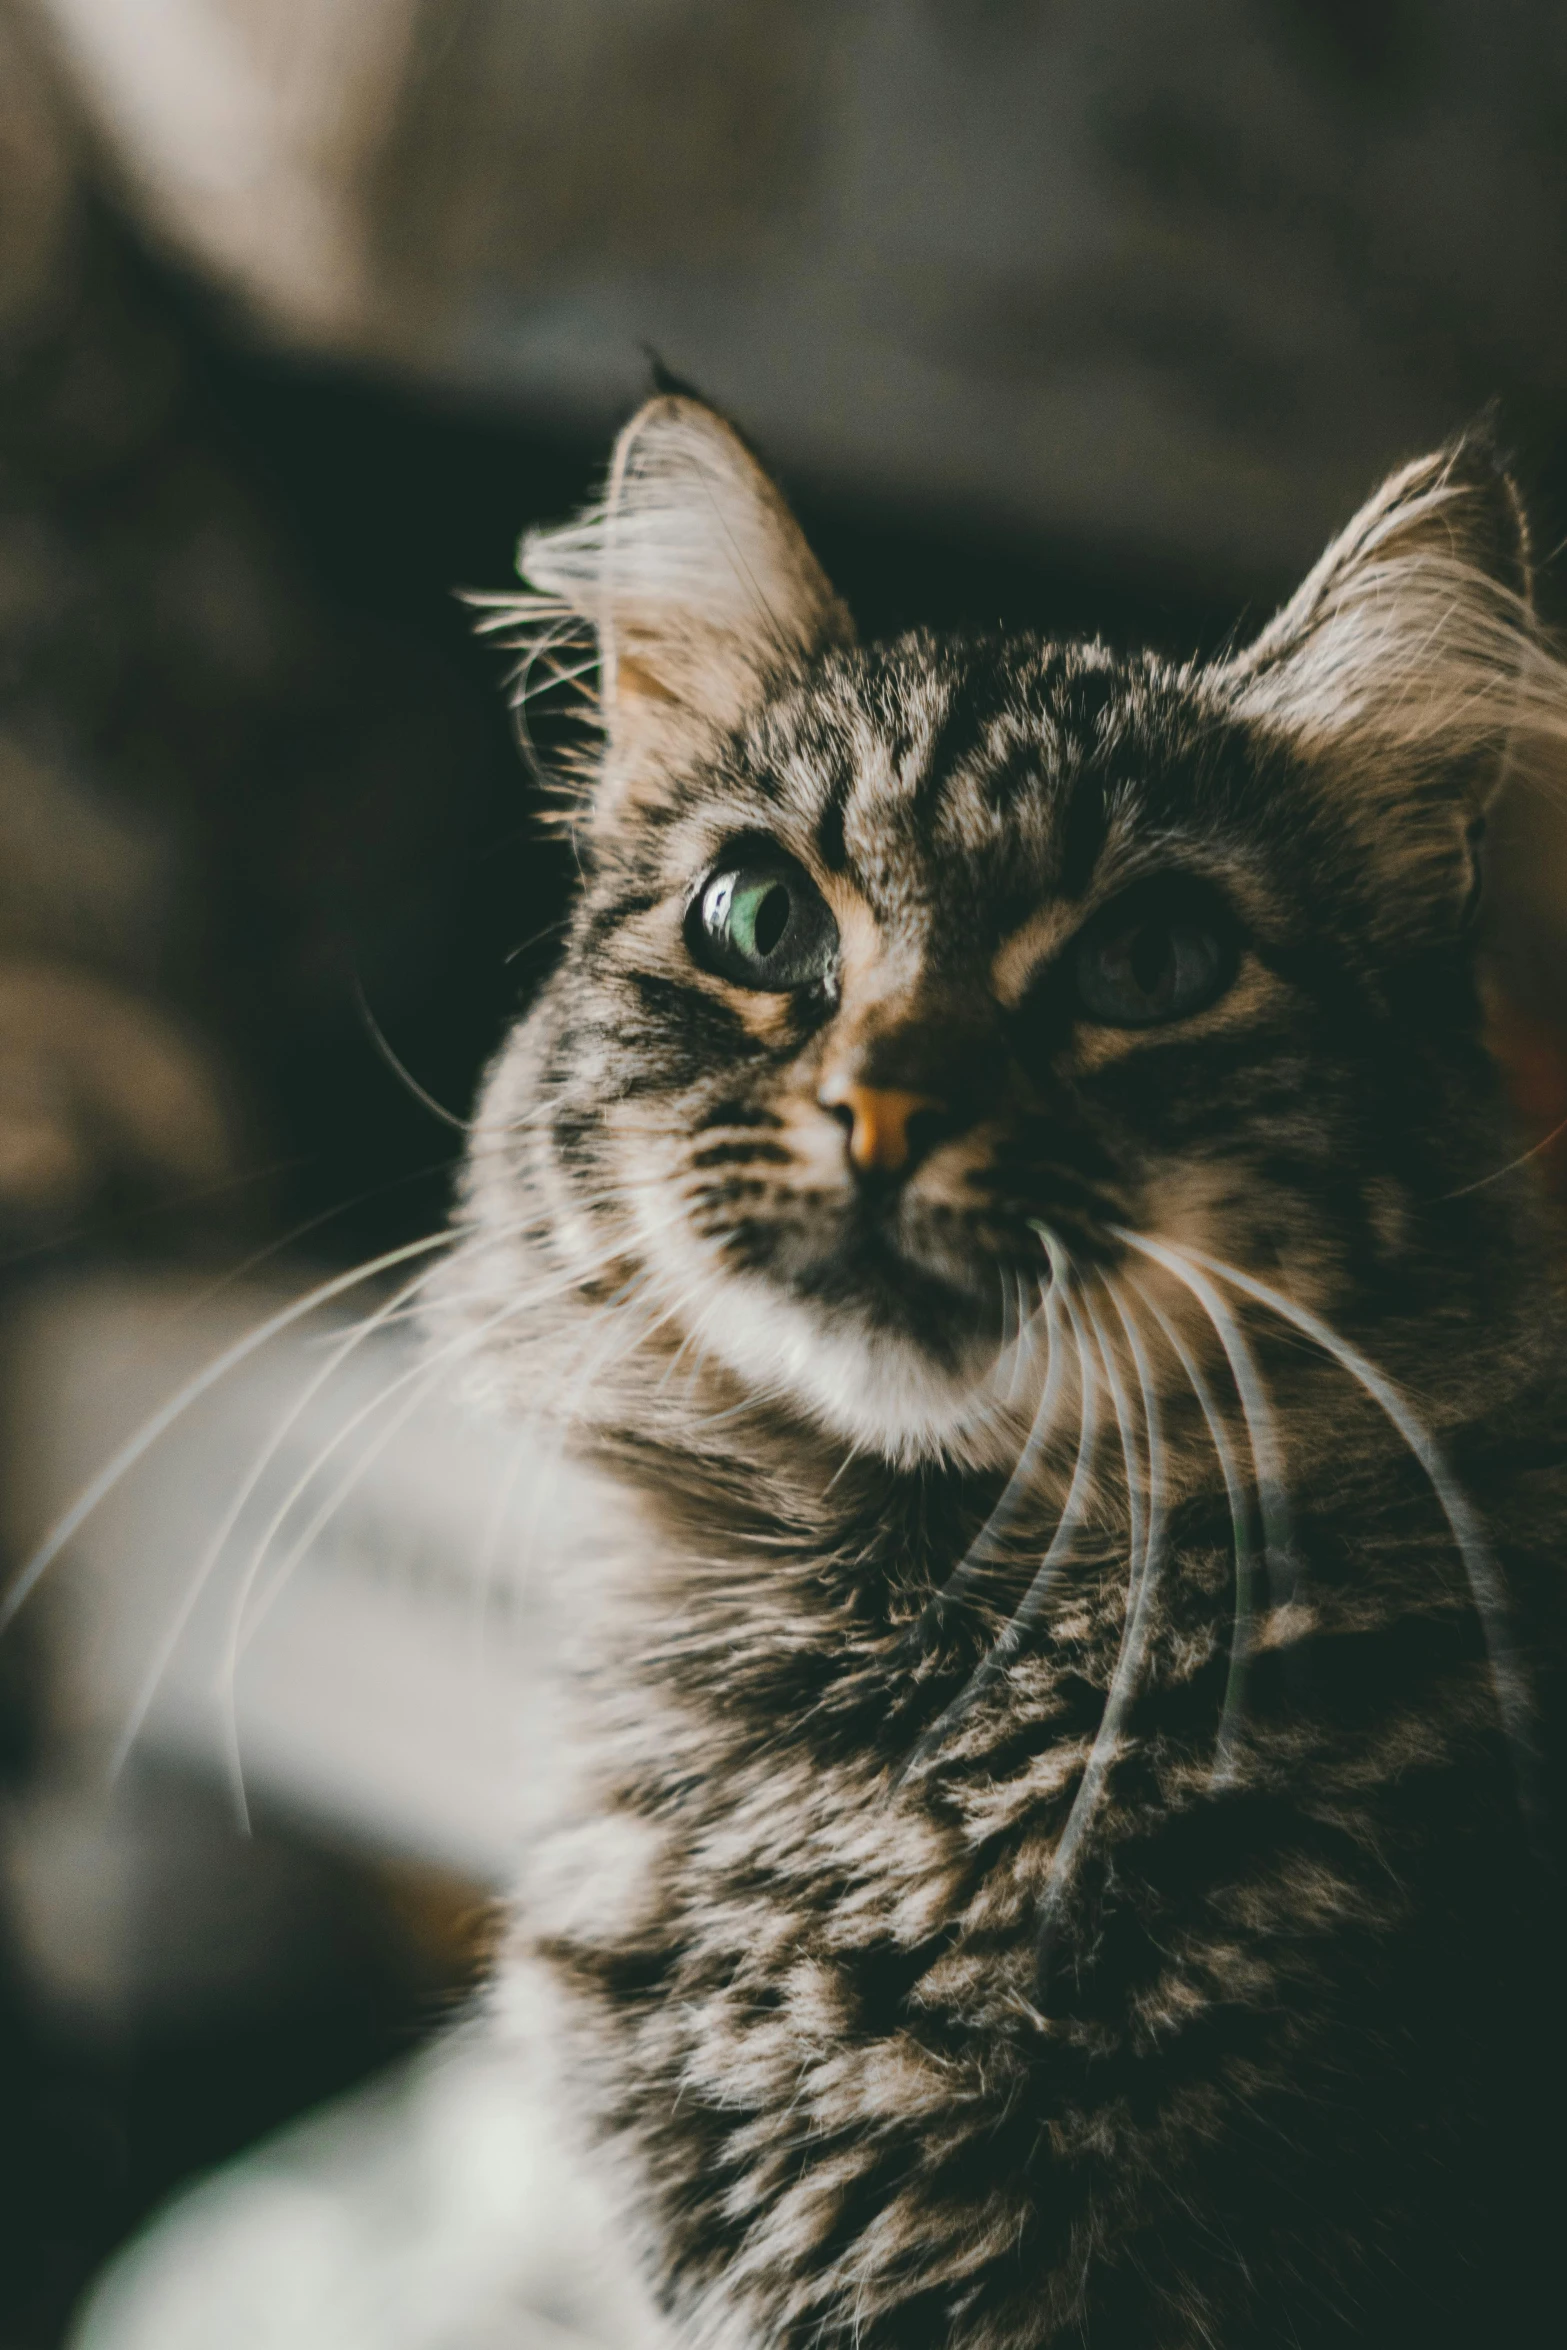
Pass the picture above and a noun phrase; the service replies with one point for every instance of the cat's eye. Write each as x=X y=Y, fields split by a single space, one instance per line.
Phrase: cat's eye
x=762 y=922
x=1161 y=952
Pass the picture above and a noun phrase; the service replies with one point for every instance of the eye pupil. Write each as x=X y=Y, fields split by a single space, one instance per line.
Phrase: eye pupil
x=1150 y=958
x=772 y=917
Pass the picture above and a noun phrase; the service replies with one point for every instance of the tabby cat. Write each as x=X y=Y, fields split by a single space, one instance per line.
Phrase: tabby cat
x=1008 y=1178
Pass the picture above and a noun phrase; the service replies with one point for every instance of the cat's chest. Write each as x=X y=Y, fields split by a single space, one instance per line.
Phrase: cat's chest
x=757 y=1872
x=763 y=1836
x=791 y=1931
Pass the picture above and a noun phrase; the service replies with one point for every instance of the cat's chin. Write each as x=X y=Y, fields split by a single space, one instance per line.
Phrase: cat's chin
x=877 y=1388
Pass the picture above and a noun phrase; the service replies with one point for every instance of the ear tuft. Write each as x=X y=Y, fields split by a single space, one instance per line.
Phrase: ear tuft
x=664 y=379
x=1412 y=649
x=696 y=583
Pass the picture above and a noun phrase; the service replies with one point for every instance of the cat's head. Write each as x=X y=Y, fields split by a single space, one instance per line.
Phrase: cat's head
x=902 y=973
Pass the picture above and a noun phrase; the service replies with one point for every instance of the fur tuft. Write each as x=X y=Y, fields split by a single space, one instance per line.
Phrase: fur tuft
x=1414 y=644
x=690 y=578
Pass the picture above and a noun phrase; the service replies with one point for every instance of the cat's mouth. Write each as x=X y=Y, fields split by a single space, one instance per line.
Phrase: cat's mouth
x=941 y=1278
x=934 y=1295
x=896 y=1312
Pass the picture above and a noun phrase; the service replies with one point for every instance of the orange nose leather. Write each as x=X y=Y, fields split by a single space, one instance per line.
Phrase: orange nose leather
x=878 y=1122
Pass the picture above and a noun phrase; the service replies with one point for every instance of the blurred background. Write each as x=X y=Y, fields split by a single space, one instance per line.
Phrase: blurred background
x=1094 y=315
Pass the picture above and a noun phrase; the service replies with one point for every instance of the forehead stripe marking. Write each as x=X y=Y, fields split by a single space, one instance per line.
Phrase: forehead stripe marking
x=830 y=845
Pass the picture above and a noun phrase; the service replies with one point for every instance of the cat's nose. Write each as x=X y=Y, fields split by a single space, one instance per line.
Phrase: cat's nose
x=882 y=1123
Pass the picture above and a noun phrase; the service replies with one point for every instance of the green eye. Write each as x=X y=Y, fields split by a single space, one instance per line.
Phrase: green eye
x=763 y=923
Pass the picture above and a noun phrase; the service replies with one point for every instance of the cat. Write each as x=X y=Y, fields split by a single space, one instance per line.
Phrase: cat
x=1008 y=1180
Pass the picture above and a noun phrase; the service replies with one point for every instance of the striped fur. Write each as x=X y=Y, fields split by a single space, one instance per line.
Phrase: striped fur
x=1153 y=1951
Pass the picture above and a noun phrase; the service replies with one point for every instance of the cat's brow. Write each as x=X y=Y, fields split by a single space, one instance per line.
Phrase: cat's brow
x=1020 y=955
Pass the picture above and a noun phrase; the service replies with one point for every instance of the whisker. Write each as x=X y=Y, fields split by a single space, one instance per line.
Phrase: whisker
x=401 y=1304
x=982 y=1551
x=1120 y=1404
x=396 y=1309
x=550 y=930
x=135 y=1447
x=615 y=1345
x=1244 y=1627
x=423 y=1375
x=242 y=1634
x=1014 y=1325
x=1028 y=1611
x=164 y=1653
x=1007 y=1338
x=692 y=1342
x=1535 y=1151
x=1027 y=1342
x=399 y=1067
x=1509 y=1679
x=240 y=1271
x=424 y=1370
x=853 y=1451
x=1261 y=1433
x=1146 y=1512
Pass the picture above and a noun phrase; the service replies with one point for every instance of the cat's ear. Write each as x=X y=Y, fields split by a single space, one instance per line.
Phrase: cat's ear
x=1410 y=660
x=697 y=583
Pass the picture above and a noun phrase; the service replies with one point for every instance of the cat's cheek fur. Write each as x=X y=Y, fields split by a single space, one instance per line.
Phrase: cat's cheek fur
x=1226 y=1209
